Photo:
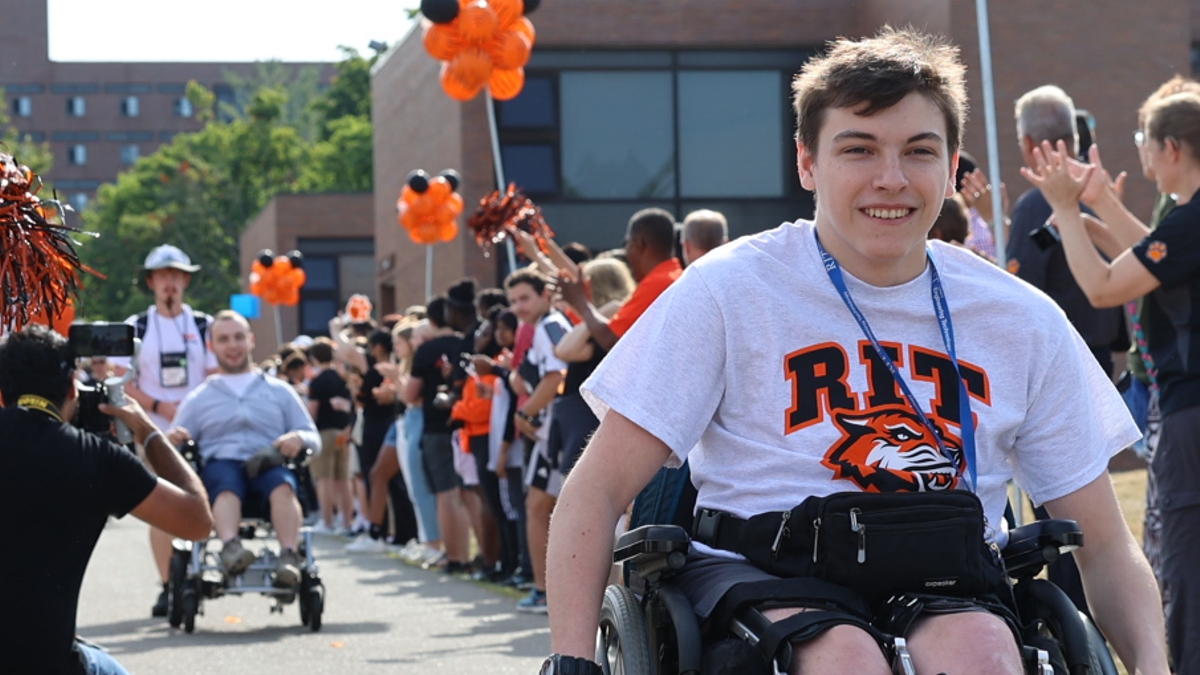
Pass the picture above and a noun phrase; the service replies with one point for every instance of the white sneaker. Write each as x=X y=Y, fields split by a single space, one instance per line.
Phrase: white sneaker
x=365 y=544
x=322 y=528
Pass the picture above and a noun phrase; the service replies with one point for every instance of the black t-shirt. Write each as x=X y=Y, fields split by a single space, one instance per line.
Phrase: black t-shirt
x=328 y=385
x=427 y=366
x=1047 y=270
x=1172 y=254
x=373 y=410
x=59 y=485
x=578 y=371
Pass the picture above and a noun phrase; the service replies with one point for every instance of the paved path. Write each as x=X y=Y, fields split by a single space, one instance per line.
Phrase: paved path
x=381 y=616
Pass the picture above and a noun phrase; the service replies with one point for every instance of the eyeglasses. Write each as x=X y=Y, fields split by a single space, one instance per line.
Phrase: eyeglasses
x=1139 y=138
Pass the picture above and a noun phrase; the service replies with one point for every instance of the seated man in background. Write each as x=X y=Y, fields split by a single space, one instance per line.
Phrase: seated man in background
x=234 y=415
x=61 y=484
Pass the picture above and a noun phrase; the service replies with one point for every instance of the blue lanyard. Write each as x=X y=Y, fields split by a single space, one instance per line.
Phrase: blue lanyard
x=967 y=423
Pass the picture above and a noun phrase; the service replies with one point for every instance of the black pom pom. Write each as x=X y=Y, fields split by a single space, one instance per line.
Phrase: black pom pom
x=419 y=181
x=440 y=11
x=532 y=5
x=452 y=178
x=297 y=259
x=266 y=257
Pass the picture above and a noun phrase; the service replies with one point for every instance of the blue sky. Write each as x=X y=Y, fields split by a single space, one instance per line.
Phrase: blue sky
x=221 y=30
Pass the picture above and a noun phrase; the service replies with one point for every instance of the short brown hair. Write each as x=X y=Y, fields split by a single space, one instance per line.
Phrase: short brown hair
x=1178 y=84
x=1176 y=116
x=321 y=350
x=878 y=73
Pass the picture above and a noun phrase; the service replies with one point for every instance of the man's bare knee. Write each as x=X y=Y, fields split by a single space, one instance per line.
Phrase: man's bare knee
x=840 y=650
x=966 y=643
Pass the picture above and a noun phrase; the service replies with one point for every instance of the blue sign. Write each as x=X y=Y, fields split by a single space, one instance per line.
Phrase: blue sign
x=245 y=304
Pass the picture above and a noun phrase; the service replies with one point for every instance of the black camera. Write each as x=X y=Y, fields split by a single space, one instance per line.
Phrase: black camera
x=102 y=339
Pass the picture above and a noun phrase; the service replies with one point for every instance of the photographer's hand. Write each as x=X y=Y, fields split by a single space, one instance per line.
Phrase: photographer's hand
x=178 y=436
x=133 y=416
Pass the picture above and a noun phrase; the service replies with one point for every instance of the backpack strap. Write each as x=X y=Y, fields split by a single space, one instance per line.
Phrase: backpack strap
x=140 y=324
x=203 y=321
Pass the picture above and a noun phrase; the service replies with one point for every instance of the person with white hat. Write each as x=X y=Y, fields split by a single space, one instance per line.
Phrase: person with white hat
x=174 y=360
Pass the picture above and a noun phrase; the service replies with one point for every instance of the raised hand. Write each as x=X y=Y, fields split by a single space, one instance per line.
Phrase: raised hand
x=1101 y=182
x=1060 y=183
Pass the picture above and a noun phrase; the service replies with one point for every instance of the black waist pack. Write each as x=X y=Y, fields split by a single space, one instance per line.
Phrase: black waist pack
x=882 y=544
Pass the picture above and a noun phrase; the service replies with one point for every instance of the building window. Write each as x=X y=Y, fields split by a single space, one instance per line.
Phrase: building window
x=183 y=107
x=76 y=106
x=77 y=155
x=130 y=106
x=79 y=201
x=130 y=153
x=22 y=106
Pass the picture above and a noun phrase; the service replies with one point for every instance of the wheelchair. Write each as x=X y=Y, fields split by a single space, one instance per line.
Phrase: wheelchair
x=196 y=572
x=648 y=627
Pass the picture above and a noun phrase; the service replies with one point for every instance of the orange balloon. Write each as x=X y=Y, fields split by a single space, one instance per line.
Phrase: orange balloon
x=477 y=23
x=439 y=190
x=472 y=67
x=510 y=50
x=447 y=231
x=298 y=277
x=442 y=41
x=409 y=195
x=424 y=206
x=456 y=202
x=445 y=214
x=507 y=11
x=524 y=26
x=506 y=84
x=408 y=219
x=454 y=88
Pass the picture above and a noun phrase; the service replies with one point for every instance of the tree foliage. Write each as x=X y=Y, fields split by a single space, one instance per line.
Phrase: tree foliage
x=24 y=149
x=200 y=191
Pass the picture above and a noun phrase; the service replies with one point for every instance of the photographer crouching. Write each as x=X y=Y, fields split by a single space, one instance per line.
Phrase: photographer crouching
x=59 y=484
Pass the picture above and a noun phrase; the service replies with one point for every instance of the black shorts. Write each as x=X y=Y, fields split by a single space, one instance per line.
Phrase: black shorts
x=706 y=579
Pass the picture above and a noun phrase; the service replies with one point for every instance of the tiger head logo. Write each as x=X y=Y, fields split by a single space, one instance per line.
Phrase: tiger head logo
x=890 y=450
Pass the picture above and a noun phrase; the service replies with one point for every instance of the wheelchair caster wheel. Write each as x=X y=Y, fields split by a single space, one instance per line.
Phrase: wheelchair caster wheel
x=191 y=607
x=177 y=582
x=312 y=604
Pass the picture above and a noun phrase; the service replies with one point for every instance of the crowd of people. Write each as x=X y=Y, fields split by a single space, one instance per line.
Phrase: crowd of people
x=453 y=434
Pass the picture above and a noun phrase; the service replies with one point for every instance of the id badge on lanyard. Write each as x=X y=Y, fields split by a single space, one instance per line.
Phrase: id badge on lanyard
x=174 y=369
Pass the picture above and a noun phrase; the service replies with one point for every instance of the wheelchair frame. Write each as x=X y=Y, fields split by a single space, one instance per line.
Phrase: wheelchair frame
x=649 y=627
x=197 y=574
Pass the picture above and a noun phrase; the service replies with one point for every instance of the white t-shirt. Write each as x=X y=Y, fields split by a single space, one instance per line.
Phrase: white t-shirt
x=752 y=367
x=178 y=335
x=550 y=331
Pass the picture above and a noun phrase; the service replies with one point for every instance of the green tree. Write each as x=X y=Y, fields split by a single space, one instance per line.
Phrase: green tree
x=302 y=87
x=197 y=192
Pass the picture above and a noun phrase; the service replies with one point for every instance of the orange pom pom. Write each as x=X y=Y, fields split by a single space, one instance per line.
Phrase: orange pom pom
x=477 y=23
x=510 y=50
x=442 y=41
x=506 y=84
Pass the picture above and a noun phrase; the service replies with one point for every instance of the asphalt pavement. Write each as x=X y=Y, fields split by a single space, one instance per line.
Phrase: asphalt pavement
x=381 y=616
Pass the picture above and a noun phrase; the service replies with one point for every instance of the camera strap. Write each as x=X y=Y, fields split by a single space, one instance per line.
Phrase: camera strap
x=942 y=311
x=39 y=404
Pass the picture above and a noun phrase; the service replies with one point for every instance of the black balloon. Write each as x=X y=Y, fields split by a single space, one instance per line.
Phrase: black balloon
x=532 y=5
x=440 y=11
x=297 y=259
x=452 y=178
x=266 y=257
x=419 y=181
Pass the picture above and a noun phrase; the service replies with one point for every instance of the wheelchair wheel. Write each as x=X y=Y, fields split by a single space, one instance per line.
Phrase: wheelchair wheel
x=176 y=583
x=191 y=607
x=622 y=646
x=313 y=601
x=1099 y=657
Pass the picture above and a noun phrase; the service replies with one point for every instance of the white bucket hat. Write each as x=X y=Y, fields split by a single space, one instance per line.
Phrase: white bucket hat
x=168 y=256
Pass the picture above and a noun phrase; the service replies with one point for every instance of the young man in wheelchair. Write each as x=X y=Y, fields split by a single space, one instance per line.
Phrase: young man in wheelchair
x=235 y=415
x=830 y=383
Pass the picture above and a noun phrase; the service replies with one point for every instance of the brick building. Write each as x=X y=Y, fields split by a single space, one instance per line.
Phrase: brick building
x=685 y=105
x=97 y=117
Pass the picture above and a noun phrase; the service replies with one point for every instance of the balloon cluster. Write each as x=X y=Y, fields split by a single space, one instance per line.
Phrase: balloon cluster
x=429 y=206
x=506 y=210
x=277 y=279
x=481 y=43
x=39 y=269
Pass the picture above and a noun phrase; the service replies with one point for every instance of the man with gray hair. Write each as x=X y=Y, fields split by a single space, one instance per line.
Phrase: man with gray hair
x=1048 y=114
x=703 y=230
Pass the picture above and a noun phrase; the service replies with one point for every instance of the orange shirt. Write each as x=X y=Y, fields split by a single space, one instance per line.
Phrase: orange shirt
x=648 y=289
x=473 y=409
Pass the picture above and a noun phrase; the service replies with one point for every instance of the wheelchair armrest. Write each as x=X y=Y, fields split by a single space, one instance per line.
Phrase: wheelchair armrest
x=1031 y=547
x=653 y=548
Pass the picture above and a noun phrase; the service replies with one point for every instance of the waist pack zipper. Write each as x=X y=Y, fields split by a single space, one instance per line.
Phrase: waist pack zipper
x=816 y=536
x=783 y=532
x=861 y=529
